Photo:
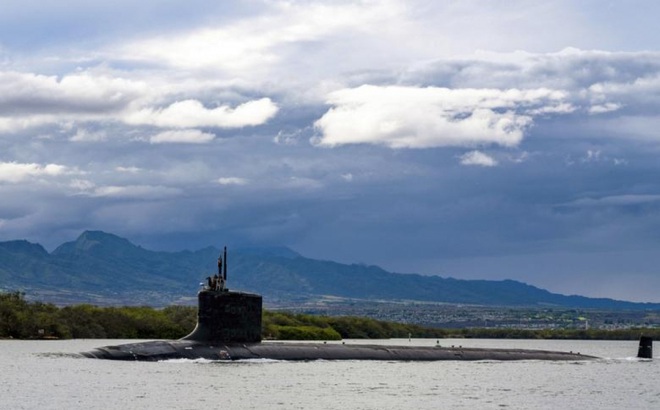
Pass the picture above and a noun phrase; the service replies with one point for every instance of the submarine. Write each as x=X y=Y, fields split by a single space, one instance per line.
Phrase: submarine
x=229 y=328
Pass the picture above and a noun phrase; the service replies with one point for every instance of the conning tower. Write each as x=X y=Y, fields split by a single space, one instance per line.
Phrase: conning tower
x=224 y=316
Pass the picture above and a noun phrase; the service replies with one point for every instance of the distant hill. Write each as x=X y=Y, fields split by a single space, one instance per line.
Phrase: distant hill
x=103 y=268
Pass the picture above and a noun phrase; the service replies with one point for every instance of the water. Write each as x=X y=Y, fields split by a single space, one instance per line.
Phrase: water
x=45 y=375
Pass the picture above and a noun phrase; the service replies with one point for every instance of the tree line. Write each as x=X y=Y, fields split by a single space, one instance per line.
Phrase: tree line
x=21 y=319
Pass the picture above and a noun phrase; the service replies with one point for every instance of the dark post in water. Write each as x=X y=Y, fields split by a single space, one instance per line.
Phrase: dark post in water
x=645 y=348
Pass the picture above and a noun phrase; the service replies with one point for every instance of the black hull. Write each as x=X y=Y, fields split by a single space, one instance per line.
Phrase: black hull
x=186 y=349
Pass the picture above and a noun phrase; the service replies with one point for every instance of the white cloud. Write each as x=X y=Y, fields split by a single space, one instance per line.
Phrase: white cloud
x=182 y=136
x=130 y=170
x=260 y=41
x=412 y=117
x=596 y=156
x=30 y=100
x=133 y=191
x=82 y=185
x=478 y=158
x=592 y=156
x=604 y=108
x=593 y=82
x=14 y=172
x=192 y=113
x=288 y=138
x=617 y=200
x=520 y=158
x=83 y=135
x=232 y=181
x=303 y=183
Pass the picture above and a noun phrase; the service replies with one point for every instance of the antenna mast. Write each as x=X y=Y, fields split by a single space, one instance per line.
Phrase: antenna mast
x=224 y=269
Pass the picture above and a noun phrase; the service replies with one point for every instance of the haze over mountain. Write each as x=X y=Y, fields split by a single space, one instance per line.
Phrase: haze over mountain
x=103 y=268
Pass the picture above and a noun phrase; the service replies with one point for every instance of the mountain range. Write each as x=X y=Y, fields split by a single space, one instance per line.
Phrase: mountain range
x=105 y=269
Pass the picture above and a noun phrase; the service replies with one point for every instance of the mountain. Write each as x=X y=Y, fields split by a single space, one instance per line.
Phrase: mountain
x=103 y=268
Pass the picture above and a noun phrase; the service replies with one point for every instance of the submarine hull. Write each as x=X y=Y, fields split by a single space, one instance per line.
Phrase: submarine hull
x=186 y=349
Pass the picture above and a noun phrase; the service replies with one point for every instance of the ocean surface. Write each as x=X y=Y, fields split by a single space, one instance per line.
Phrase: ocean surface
x=48 y=375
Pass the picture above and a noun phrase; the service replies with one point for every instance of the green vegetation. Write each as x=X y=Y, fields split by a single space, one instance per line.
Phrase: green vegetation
x=20 y=319
x=289 y=326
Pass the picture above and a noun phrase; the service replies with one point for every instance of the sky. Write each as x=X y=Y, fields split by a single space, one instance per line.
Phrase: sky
x=467 y=139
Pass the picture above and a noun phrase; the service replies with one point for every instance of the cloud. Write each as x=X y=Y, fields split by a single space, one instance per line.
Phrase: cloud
x=495 y=98
x=303 y=183
x=604 y=108
x=140 y=192
x=260 y=40
x=182 y=136
x=14 y=172
x=593 y=82
x=232 y=181
x=30 y=100
x=131 y=170
x=83 y=135
x=616 y=200
x=594 y=157
x=84 y=93
x=192 y=113
x=288 y=137
x=81 y=185
x=478 y=158
x=412 y=117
